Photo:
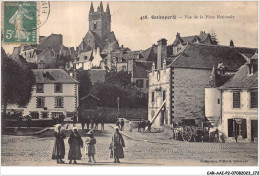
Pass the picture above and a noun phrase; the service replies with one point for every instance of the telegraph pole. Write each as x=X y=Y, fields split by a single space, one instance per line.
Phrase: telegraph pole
x=118 y=100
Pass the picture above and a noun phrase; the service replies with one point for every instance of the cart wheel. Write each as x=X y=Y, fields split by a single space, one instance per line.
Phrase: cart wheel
x=187 y=134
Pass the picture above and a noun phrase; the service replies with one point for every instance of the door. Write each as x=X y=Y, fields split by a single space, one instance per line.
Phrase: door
x=254 y=129
x=162 y=117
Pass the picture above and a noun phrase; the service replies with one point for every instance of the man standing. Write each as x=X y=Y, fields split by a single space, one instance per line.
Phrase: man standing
x=29 y=121
x=19 y=121
x=122 y=124
x=117 y=145
x=88 y=121
x=139 y=126
x=117 y=123
x=102 y=125
x=74 y=120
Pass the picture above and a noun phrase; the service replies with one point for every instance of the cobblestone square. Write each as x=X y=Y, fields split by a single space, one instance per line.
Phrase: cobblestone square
x=36 y=151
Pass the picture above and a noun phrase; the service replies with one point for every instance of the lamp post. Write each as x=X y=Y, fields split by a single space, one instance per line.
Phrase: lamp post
x=118 y=100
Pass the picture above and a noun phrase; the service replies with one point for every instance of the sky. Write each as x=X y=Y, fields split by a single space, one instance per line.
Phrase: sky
x=71 y=20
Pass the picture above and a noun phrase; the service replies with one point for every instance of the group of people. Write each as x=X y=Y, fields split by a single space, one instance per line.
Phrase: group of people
x=143 y=126
x=120 y=124
x=93 y=124
x=76 y=143
x=28 y=119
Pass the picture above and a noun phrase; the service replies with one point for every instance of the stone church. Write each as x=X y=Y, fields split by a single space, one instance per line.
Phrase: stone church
x=99 y=34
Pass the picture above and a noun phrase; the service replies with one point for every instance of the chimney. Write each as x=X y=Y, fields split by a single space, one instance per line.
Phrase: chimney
x=231 y=43
x=161 y=52
x=178 y=35
x=41 y=65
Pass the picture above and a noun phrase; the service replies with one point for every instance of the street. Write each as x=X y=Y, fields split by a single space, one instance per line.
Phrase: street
x=35 y=151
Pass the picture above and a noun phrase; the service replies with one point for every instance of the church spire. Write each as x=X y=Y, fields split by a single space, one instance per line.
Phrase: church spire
x=108 y=9
x=91 y=8
x=101 y=7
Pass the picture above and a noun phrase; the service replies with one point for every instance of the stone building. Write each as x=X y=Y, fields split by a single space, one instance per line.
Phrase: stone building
x=176 y=86
x=203 y=38
x=232 y=106
x=99 y=33
x=50 y=50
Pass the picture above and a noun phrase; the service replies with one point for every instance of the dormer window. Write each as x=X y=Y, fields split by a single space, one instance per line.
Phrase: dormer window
x=252 y=68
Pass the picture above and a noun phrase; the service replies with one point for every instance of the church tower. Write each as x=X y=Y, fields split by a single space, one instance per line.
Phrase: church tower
x=100 y=21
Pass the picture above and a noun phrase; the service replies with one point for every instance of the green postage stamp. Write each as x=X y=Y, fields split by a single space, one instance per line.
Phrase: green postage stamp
x=20 y=22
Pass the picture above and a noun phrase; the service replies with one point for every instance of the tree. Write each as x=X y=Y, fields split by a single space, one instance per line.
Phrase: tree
x=84 y=82
x=17 y=82
x=118 y=84
x=121 y=78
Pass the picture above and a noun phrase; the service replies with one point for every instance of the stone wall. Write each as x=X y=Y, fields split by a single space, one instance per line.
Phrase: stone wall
x=188 y=93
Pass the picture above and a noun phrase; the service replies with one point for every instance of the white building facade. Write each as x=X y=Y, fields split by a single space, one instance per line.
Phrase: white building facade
x=55 y=93
x=233 y=107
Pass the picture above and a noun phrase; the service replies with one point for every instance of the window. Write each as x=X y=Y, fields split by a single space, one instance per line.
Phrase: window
x=164 y=95
x=237 y=127
x=218 y=101
x=40 y=102
x=152 y=96
x=236 y=99
x=95 y=25
x=254 y=99
x=34 y=115
x=56 y=115
x=39 y=88
x=45 y=115
x=140 y=83
x=58 y=88
x=58 y=102
x=147 y=83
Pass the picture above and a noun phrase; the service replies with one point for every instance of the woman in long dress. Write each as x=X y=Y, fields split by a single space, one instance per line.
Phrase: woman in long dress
x=58 y=152
x=90 y=146
x=117 y=145
x=75 y=143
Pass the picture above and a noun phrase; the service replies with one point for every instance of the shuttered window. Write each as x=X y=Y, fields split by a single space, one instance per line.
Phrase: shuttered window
x=152 y=96
x=230 y=128
x=254 y=99
x=40 y=102
x=244 y=128
x=164 y=95
x=34 y=115
x=236 y=100
x=237 y=127
x=45 y=115
x=58 y=102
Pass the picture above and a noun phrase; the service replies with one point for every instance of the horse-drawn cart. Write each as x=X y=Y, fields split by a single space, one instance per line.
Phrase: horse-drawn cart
x=188 y=130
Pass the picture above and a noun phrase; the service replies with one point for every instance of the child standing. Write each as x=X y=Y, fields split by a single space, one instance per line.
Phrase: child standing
x=90 y=146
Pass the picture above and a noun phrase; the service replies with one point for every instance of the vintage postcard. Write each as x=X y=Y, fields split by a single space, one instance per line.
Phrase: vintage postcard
x=129 y=83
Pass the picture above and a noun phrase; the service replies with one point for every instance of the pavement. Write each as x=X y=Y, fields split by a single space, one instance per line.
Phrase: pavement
x=142 y=149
